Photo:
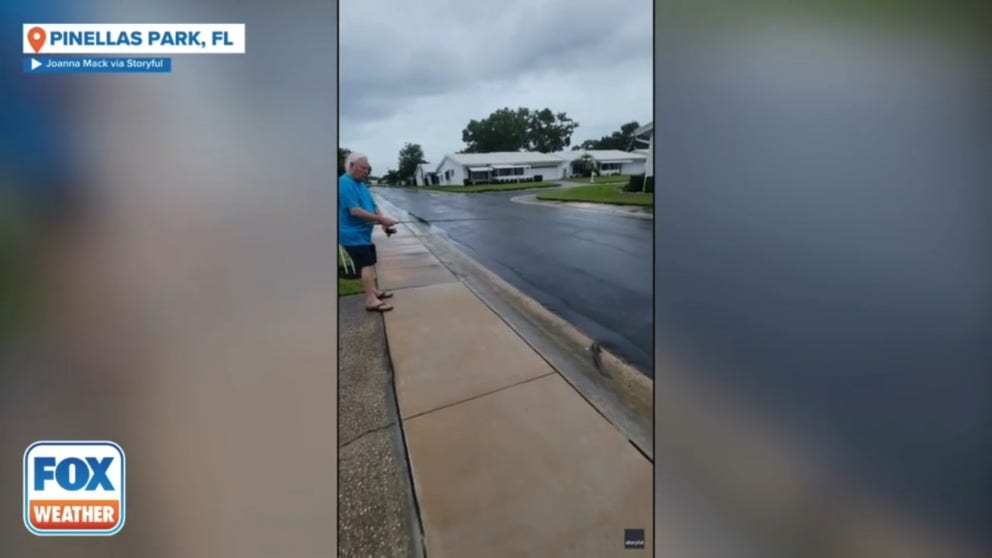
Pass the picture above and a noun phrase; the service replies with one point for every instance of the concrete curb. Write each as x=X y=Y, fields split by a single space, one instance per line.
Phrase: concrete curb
x=633 y=385
x=620 y=392
x=625 y=210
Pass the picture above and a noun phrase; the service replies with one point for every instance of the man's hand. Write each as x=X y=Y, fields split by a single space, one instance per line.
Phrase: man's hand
x=386 y=222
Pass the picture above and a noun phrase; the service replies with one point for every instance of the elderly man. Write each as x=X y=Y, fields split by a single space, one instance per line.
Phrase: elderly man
x=357 y=216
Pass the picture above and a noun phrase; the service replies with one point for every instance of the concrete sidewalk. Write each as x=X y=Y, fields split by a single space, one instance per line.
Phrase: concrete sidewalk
x=507 y=458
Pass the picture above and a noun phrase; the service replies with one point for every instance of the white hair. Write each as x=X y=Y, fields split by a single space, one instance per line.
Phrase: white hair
x=352 y=159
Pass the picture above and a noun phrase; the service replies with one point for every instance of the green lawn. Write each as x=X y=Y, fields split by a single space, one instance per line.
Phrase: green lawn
x=600 y=193
x=616 y=178
x=349 y=286
x=504 y=187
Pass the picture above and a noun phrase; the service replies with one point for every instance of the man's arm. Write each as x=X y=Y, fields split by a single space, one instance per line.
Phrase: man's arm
x=386 y=222
x=376 y=217
x=349 y=198
x=381 y=215
x=360 y=213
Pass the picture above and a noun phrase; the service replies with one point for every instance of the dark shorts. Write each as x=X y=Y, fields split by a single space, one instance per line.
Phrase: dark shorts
x=363 y=256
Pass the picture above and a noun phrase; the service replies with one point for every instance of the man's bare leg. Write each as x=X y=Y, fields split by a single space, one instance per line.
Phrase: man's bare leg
x=372 y=299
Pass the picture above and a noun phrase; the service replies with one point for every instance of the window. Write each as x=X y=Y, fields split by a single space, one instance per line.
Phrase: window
x=518 y=171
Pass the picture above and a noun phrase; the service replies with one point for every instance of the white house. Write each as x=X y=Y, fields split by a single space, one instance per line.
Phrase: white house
x=502 y=166
x=645 y=134
x=424 y=177
x=610 y=161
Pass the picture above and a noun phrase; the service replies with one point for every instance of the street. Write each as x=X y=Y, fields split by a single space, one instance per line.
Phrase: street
x=594 y=270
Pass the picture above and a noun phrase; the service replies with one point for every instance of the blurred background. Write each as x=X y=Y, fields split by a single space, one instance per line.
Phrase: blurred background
x=167 y=280
x=824 y=280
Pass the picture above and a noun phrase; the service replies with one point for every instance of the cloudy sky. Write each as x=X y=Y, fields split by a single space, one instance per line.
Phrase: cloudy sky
x=418 y=72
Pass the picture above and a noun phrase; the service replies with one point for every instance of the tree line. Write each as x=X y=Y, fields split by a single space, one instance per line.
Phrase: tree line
x=507 y=129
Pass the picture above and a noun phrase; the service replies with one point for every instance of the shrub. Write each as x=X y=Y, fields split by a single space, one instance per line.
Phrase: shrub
x=467 y=181
x=635 y=183
x=538 y=178
x=638 y=183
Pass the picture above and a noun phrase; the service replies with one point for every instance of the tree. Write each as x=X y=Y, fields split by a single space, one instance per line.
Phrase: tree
x=391 y=177
x=513 y=130
x=585 y=166
x=503 y=130
x=622 y=140
x=550 y=132
x=342 y=156
x=411 y=157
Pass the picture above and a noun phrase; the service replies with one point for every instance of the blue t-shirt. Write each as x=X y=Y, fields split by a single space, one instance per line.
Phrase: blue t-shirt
x=353 y=231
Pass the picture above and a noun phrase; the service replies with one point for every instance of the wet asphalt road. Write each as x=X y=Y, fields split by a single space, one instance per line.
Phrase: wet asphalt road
x=594 y=270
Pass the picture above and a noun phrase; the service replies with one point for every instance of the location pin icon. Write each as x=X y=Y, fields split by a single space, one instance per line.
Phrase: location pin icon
x=36 y=36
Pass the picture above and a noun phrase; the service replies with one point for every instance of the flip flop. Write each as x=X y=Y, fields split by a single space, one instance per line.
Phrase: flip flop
x=386 y=294
x=381 y=307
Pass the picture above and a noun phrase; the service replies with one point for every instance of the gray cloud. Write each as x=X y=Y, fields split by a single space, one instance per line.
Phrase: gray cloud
x=462 y=60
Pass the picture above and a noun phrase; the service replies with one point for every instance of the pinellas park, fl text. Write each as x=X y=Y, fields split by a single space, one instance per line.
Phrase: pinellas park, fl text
x=137 y=38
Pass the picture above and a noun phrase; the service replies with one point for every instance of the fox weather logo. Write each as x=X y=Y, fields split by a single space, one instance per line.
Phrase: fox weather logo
x=74 y=488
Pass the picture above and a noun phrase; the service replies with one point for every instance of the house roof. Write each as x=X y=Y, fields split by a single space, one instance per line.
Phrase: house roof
x=602 y=155
x=607 y=155
x=502 y=158
x=570 y=155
